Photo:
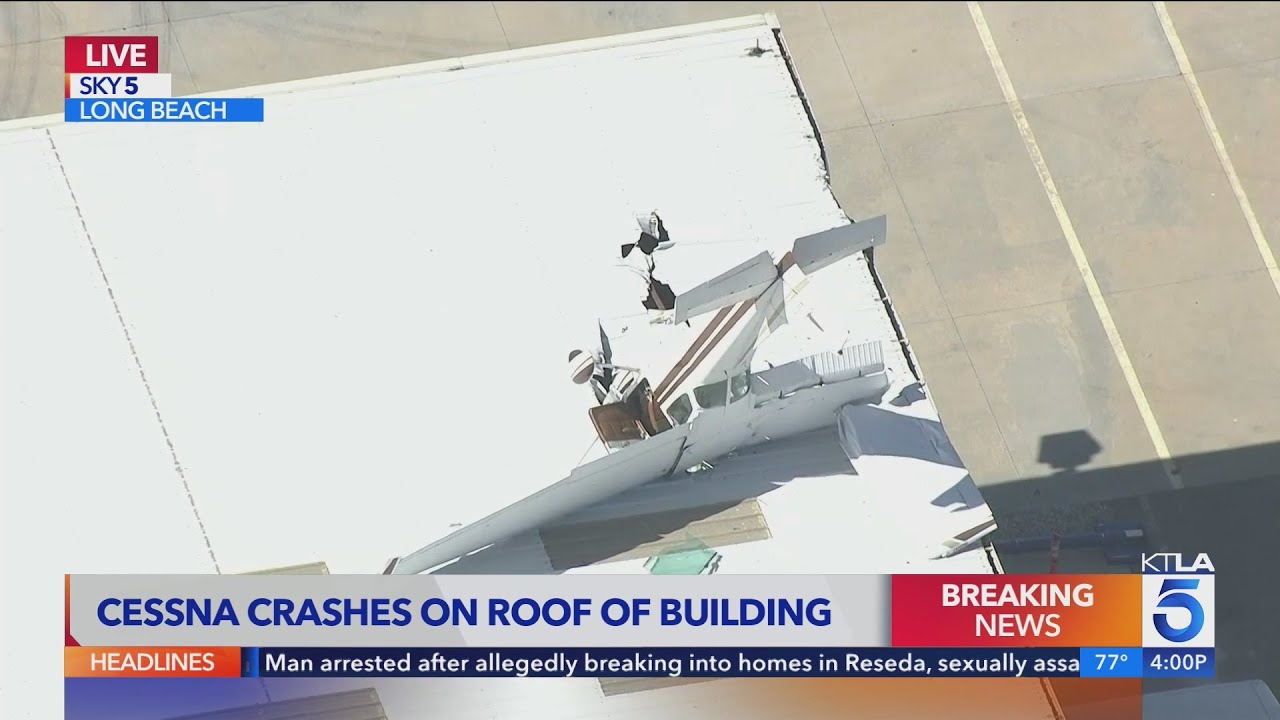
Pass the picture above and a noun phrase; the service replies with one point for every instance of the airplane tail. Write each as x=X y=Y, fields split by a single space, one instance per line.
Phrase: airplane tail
x=752 y=278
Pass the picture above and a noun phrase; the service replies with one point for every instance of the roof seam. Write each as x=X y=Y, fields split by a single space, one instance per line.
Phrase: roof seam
x=133 y=351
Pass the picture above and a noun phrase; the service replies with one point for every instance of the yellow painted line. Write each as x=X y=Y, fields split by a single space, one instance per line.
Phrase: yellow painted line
x=1077 y=251
x=1184 y=67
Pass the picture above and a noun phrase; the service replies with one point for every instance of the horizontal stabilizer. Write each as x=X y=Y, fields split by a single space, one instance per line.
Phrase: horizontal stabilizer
x=814 y=252
x=743 y=282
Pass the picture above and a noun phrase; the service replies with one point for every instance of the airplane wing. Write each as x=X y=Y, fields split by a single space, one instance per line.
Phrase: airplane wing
x=905 y=440
x=881 y=464
x=620 y=470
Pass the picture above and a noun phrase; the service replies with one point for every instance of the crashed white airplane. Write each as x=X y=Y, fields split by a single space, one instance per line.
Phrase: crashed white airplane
x=687 y=390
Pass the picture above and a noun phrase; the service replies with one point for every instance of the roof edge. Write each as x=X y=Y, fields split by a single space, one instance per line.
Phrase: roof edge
x=764 y=20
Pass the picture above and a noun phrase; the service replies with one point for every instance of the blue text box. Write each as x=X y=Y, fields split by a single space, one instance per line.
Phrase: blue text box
x=1111 y=662
x=1178 y=663
x=209 y=110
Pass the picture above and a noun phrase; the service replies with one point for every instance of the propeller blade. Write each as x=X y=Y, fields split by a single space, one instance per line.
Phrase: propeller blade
x=605 y=349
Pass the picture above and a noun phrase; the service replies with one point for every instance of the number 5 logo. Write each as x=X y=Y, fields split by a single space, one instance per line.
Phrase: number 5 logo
x=1172 y=595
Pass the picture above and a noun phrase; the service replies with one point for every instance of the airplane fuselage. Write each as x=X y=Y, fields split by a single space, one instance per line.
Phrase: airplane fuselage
x=753 y=420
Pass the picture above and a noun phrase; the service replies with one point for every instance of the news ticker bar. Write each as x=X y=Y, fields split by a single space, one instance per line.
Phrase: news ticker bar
x=151 y=110
x=615 y=662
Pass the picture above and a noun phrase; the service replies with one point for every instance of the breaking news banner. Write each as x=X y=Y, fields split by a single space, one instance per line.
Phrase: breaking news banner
x=118 y=79
x=1158 y=624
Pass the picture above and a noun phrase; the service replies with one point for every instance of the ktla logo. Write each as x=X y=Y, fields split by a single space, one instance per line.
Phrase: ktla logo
x=1177 y=601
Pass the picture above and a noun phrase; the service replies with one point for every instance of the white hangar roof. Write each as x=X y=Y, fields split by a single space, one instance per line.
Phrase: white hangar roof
x=336 y=335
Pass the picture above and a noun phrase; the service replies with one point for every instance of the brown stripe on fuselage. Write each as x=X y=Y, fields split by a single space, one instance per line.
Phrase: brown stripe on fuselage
x=786 y=262
x=693 y=349
x=682 y=369
x=706 y=349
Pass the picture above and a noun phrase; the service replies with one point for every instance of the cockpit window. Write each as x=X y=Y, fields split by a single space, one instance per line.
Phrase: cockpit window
x=680 y=410
x=711 y=395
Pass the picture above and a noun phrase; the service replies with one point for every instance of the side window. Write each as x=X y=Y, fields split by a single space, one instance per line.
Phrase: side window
x=739 y=386
x=680 y=410
x=711 y=395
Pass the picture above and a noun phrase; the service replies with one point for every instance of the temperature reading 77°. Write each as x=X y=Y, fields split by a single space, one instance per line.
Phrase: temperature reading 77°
x=1110 y=661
